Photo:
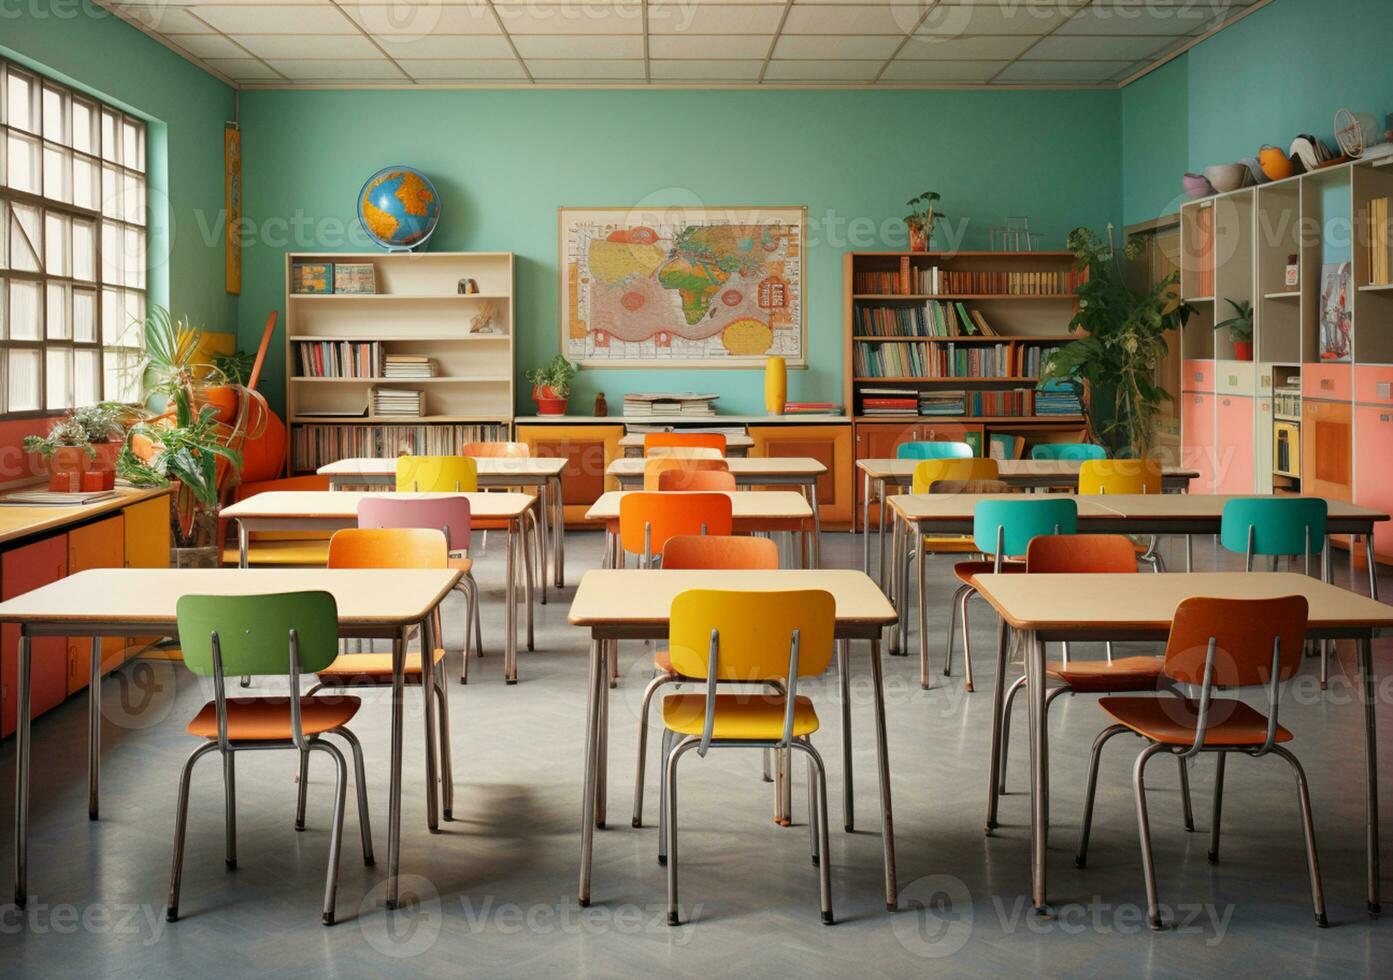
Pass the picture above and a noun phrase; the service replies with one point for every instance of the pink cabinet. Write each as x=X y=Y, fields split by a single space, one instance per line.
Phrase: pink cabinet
x=1234 y=456
x=1373 y=469
x=24 y=569
x=1197 y=438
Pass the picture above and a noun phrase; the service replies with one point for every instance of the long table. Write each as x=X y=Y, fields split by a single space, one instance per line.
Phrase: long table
x=372 y=604
x=1050 y=608
x=620 y=604
x=541 y=472
x=333 y=510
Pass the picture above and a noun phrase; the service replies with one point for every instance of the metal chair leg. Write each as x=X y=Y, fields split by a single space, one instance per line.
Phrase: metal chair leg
x=812 y=811
x=948 y=649
x=1148 y=863
x=1011 y=693
x=670 y=835
x=666 y=755
x=302 y=791
x=181 y=820
x=967 y=639
x=1218 y=809
x=825 y=865
x=644 y=709
x=447 y=775
x=1081 y=859
x=1185 y=793
x=360 y=784
x=229 y=775
x=1308 y=827
x=331 y=880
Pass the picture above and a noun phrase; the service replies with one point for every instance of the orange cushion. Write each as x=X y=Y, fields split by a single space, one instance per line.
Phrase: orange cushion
x=373 y=668
x=965 y=570
x=268 y=719
x=1101 y=677
x=461 y=564
x=1171 y=720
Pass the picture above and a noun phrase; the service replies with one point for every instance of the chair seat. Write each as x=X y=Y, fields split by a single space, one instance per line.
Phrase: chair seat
x=461 y=564
x=268 y=719
x=1171 y=721
x=955 y=545
x=738 y=716
x=299 y=551
x=373 y=668
x=1101 y=677
x=967 y=570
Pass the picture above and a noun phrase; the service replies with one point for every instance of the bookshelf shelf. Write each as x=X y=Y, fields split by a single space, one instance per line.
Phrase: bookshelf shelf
x=1292 y=294
x=406 y=338
x=970 y=339
x=481 y=379
x=1377 y=287
x=1070 y=421
x=940 y=379
x=394 y=297
x=975 y=297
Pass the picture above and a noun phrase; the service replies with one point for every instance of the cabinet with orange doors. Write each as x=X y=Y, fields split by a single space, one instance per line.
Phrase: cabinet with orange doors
x=1327 y=431
x=146 y=533
x=882 y=440
x=830 y=445
x=101 y=544
x=1197 y=422
x=588 y=449
x=1235 y=427
x=1373 y=441
x=22 y=569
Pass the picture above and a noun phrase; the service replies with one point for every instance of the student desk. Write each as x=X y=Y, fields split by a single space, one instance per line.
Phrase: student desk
x=372 y=603
x=753 y=510
x=541 y=472
x=737 y=443
x=629 y=604
x=1050 y=608
x=333 y=510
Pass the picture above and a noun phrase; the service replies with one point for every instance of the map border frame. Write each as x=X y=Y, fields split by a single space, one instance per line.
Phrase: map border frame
x=753 y=363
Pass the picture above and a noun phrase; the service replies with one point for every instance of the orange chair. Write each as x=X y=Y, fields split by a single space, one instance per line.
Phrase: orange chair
x=696 y=551
x=684 y=440
x=655 y=466
x=648 y=520
x=710 y=481
x=1214 y=643
x=496 y=450
x=394 y=548
x=510 y=450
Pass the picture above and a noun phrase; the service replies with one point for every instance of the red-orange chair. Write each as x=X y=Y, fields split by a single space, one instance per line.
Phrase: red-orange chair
x=1215 y=643
x=709 y=481
x=496 y=450
x=684 y=552
x=648 y=520
x=654 y=467
x=684 y=440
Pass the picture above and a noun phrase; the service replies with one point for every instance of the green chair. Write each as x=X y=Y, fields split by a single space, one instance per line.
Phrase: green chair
x=277 y=635
x=1067 y=450
x=934 y=450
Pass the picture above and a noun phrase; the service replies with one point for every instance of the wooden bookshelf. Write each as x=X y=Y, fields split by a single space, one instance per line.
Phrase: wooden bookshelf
x=416 y=311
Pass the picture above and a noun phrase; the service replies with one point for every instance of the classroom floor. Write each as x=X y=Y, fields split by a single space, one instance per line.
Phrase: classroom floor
x=497 y=885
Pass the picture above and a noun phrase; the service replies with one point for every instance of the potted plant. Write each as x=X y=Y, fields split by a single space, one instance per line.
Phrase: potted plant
x=1240 y=328
x=551 y=385
x=1121 y=343
x=66 y=452
x=920 y=220
x=105 y=432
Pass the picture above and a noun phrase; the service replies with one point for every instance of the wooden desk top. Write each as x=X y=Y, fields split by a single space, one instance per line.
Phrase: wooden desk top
x=745 y=505
x=1183 y=506
x=1142 y=602
x=23 y=520
x=886 y=469
x=632 y=466
x=960 y=506
x=610 y=597
x=343 y=504
x=488 y=466
x=734 y=440
x=366 y=597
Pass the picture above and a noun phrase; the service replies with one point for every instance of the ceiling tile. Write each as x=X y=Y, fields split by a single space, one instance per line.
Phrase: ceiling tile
x=163 y=19
x=404 y=21
x=732 y=70
x=984 y=47
x=244 y=69
x=207 y=45
x=1080 y=72
x=826 y=46
x=1091 y=48
x=852 y=19
x=694 y=17
x=571 y=18
x=326 y=69
x=709 y=45
x=308 y=46
x=601 y=46
x=1018 y=17
x=447 y=46
x=268 y=19
x=816 y=71
x=941 y=71
x=1133 y=18
x=575 y=68
x=464 y=69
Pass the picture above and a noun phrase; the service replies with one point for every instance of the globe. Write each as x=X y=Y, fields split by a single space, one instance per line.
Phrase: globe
x=399 y=208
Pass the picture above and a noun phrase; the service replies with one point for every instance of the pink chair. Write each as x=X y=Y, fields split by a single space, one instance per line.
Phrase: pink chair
x=450 y=515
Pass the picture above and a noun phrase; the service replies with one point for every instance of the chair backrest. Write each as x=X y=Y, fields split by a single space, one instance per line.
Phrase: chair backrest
x=1067 y=450
x=754 y=632
x=1244 y=632
x=1014 y=523
x=933 y=450
x=647 y=520
x=1064 y=553
x=684 y=440
x=930 y=471
x=254 y=632
x=720 y=551
x=972 y=486
x=1119 y=476
x=437 y=474
x=450 y=515
x=686 y=452
x=508 y=450
x=1275 y=525
x=706 y=480
x=656 y=465
x=389 y=547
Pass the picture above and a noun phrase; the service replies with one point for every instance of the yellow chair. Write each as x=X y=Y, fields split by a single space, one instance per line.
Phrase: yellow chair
x=751 y=637
x=437 y=474
x=1113 y=476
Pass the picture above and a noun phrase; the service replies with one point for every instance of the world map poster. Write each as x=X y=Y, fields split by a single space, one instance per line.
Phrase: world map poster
x=681 y=286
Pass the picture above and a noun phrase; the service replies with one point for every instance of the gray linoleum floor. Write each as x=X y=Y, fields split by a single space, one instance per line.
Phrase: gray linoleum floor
x=497 y=885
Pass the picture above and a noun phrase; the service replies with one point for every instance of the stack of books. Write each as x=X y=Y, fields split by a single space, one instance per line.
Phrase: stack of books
x=398 y=402
x=1380 y=243
x=889 y=401
x=1057 y=398
x=935 y=402
x=338 y=358
x=812 y=408
x=686 y=404
x=408 y=366
x=933 y=319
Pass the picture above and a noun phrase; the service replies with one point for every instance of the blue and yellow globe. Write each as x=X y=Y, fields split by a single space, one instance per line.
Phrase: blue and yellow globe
x=399 y=208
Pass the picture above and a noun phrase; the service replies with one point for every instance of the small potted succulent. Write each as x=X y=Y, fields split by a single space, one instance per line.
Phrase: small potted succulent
x=80 y=449
x=551 y=385
x=1240 y=328
x=920 y=220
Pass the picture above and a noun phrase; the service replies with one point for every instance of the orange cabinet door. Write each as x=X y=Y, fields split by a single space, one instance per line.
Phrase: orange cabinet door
x=99 y=545
x=878 y=440
x=588 y=449
x=1197 y=439
x=1233 y=448
x=1327 y=437
x=1373 y=470
x=828 y=444
x=146 y=546
x=22 y=570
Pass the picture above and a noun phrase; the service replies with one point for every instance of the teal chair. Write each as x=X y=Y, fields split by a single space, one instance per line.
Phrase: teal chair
x=1074 y=451
x=271 y=635
x=934 y=450
x=1001 y=529
x=1277 y=526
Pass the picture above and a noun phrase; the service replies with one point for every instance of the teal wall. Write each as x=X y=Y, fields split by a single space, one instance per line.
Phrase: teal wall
x=1155 y=141
x=1280 y=71
x=504 y=161
x=89 y=47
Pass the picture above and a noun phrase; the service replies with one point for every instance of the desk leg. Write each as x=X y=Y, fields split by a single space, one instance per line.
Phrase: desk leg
x=544 y=535
x=1039 y=767
x=587 y=806
x=844 y=678
x=94 y=728
x=243 y=544
x=817 y=525
x=609 y=655
x=527 y=538
x=923 y=576
x=1373 y=566
x=428 y=641
x=22 y=775
x=882 y=750
x=880 y=542
x=394 y=790
x=1189 y=552
x=866 y=524
x=1003 y=647
x=510 y=615
x=559 y=523
x=1371 y=828
x=892 y=590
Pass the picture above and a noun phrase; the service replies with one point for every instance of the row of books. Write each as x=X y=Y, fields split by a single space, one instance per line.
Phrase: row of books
x=933 y=319
x=1199 y=279
x=1057 y=398
x=935 y=281
x=686 y=404
x=907 y=359
x=323 y=278
x=408 y=366
x=315 y=445
x=339 y=358
x=397 y=401
x=1380 y=243
x=1007 y=403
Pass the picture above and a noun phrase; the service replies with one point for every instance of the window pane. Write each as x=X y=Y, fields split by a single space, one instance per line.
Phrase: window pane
x=23 y=163
x=87 y=377
x=132 y=198
x=4 y=235
x=85 y=315
x=84 y=124
x=133 y=258
x=111 y=253
x=56 y=183
x=84 y=252
x=24 y=310
x=84 y=183
x=25 y=240
x=135 y=317
x=4 y=311
x=121 y=369
x=21 y=101
x=56 y=230
x=23 y=387
x=111 y=183
x=54 y=116
x=58 y=377
x=110 y=147
x=56 y=312
x=132 y=145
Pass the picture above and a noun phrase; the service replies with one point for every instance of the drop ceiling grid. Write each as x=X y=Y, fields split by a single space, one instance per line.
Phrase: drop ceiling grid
x=795 y=43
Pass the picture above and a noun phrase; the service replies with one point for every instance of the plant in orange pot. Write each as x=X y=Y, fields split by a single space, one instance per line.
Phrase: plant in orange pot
x=66 y=451
x=551 y=385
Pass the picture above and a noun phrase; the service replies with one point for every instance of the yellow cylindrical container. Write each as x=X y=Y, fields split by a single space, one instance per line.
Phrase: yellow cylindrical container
x=775 y=385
